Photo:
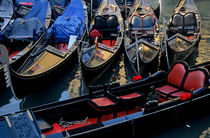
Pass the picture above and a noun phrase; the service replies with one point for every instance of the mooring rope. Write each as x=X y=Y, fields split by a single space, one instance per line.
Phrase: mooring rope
x=65 y=124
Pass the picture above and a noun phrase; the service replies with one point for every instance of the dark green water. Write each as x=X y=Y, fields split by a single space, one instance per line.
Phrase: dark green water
x=70 y=83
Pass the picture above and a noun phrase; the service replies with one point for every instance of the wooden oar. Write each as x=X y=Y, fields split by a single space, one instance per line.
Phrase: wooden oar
x=182 y=98
x=100 y=12
x=179 y=6
x=5 y=63
x=136 y=8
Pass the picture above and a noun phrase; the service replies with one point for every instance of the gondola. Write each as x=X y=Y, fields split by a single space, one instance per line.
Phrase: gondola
x=57 y=47
x=183 y=31
x=142 y=33
x=103 y=41
x=115 y=111
x=23 y=33
x=6 y=13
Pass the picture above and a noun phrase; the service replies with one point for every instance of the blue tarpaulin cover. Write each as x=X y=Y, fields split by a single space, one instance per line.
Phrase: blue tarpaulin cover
x=71 y=22
x=30 y=25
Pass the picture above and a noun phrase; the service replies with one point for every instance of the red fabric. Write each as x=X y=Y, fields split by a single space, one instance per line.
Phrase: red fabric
x=9 y=50
x=135 y=78
x=166 y=89
x=177 y=94
x=185 y=96
x=109 y=43
x=13 y=54
x=107 y=117
x=62 y=47
x=190 y=37
x=161 y=99
x=133 y=110
x=194 y=80
x=130 y=96
x=176 y=75
x=95 y=33
x=26 y=3
x=56 y=129
x=103 y=101
x=121 y=114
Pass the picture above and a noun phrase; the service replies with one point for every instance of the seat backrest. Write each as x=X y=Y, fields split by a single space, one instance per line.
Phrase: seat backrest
x=112 y=22
x=177 y=20
x=136 y=21
x=106 y=23
x=100 y=22
x=189 y=19
x=195 y=79
x=177 y=73
x=148 y=21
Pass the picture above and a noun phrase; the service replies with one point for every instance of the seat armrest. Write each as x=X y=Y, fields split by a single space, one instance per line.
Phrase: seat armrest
x=160 y=74
x=198 y=91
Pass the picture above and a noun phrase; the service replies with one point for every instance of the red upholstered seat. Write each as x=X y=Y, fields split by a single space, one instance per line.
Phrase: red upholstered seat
x=174 y=79
x=103 y=104
x=109 y=43
x=181 y=80
x=167 y=89
x=103 y=101
x=178 y=94
x=114 y=102
x=195 y=79
x=177 y=73
x=130 y=96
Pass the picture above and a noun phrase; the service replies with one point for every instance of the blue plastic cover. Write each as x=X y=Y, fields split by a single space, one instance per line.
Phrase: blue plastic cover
x=71 y=22
x=39 y=10
x=30 y=25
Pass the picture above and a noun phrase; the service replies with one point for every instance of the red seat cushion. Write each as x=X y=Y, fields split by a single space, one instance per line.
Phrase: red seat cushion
x=178 y=94
x=195 y=79
x=176 y=74
x=102 y=104
x=103 y=101
x=109 y=43
x=166 y=89
x=130 y=96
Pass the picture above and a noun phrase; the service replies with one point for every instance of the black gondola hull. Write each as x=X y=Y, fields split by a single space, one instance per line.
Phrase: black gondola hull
x=183 y=55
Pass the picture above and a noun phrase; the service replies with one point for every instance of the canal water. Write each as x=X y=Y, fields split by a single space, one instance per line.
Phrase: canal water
x=70 y=83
